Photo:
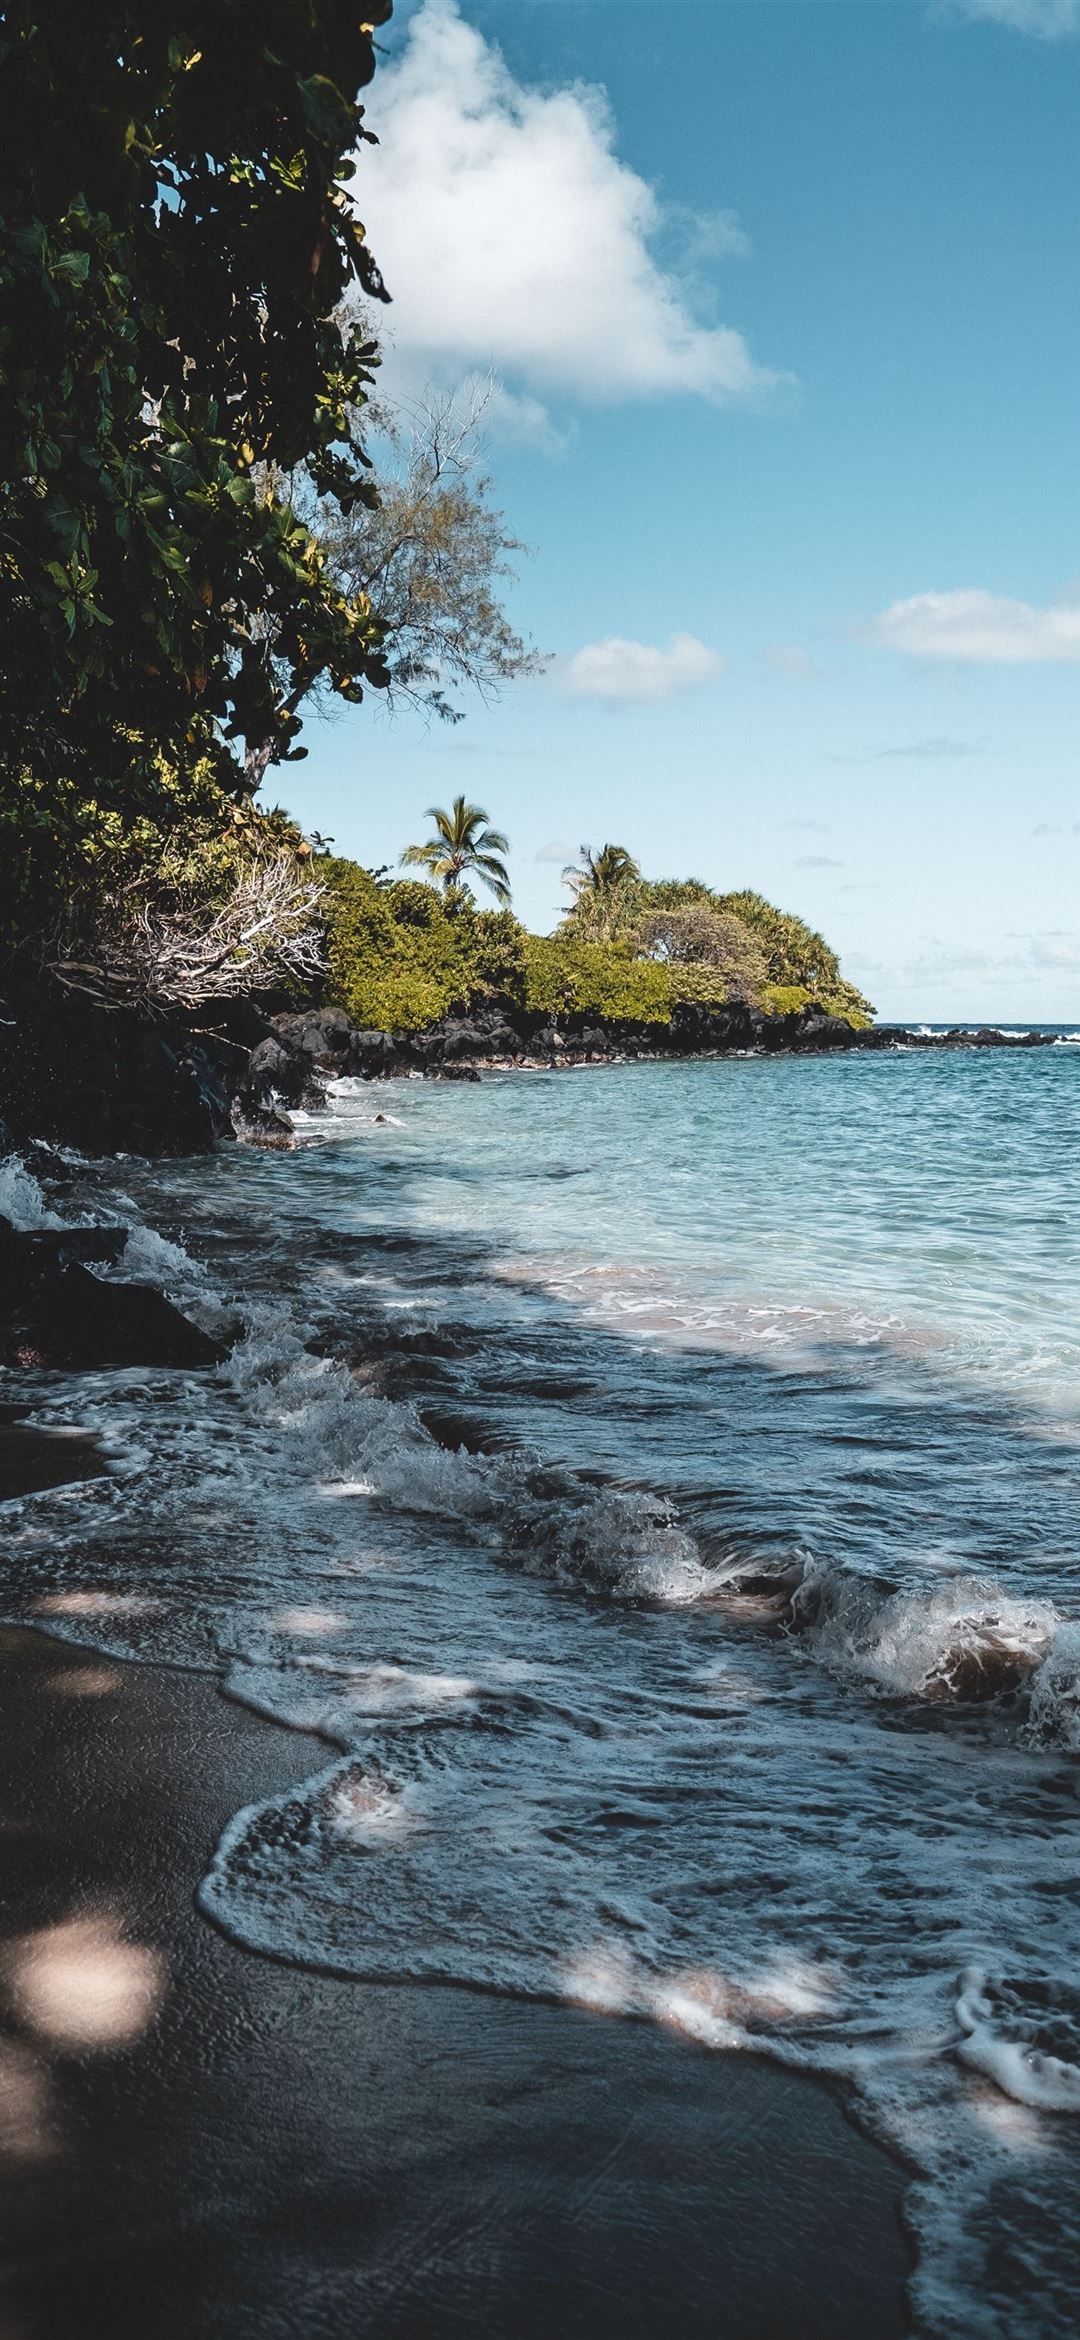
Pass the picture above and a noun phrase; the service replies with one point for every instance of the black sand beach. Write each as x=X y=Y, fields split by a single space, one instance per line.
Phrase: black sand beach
x=195 y=2142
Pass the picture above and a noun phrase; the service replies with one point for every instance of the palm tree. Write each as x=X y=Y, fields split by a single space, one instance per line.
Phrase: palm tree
x=462 y=847
x=602 y=886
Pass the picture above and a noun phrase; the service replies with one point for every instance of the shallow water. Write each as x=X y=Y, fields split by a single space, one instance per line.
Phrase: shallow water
x=658 y=1486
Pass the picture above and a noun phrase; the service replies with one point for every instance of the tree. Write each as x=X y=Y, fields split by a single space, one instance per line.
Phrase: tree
x=176 y=241
x=794 y=953
x=603 y=886
x=799 y=964
x=462 y=847
x=429 y=557
x=701 y=937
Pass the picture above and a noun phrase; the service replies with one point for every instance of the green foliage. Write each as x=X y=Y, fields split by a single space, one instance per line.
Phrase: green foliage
x=605 y=889
x=397 y=959
x=793 y=952
x=714 y=944
x=839 y=999
x=675 y=894
x=796 y=966
x=462 y=848
x=785 y=999
x=403 y=955
x=432 y=555
x=64 y=853
x=500 y=952
x=175 y=242
x=564 y=974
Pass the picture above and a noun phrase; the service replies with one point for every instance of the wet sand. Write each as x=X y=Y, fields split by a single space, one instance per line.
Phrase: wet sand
x=198 y=2144
x=31 y=1458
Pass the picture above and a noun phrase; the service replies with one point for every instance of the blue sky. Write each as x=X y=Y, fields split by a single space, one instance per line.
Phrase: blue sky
x=780 y=300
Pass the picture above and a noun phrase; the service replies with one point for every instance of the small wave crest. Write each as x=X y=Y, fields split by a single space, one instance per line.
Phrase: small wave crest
x=336 y=1701
x=1054 y=1719
x=963 y=1641
x=1024 y=2035
x=21 y=1199
x=625 y=1543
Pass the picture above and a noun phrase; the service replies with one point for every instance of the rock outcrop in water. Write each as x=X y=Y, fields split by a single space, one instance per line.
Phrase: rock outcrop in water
x=114 y=1081
x=110 y=1081
x=56 y=1312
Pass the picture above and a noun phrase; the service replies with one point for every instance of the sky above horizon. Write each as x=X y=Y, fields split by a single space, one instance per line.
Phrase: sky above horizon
x=779 y=301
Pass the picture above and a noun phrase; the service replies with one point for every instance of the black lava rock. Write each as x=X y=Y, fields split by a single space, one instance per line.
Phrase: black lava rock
x=55 y=1312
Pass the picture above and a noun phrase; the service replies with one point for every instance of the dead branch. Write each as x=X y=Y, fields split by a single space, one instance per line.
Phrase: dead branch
x=151 y=952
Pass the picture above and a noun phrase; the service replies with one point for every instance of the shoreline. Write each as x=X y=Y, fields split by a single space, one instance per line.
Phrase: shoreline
x=887 y=1044
x=270 y=2151
x=466 y=1046
x=165 y=1083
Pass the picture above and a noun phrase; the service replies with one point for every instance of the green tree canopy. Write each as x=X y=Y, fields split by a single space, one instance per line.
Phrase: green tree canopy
x=431 y=556
x=604 y=887
x=793 y=953
x=698 y=936
x=463 y=847
x=176 y=240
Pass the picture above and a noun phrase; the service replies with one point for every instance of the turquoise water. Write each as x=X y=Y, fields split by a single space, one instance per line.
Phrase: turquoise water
x=658 y=1485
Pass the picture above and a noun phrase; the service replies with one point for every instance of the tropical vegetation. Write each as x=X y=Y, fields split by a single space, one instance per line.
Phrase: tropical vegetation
x=463 y=848
x=402 y=954
x=208 y=523
x=177 y=244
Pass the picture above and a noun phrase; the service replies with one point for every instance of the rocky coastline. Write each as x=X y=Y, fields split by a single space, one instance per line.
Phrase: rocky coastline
x=107 y=1081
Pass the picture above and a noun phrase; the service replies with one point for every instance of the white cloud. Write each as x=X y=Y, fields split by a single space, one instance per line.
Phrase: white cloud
x=817 y=861
x=1048 y=20
x=625 y=673
x=511 y=235
x=556 y=852
x=983 y=628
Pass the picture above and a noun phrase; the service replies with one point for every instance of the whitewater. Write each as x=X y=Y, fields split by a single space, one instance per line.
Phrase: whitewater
x=657 y=1486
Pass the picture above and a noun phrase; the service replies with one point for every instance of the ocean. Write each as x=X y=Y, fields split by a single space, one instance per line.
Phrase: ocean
x=657 y=1484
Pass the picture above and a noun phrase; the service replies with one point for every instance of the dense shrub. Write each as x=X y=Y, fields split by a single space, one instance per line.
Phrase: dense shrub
x=564 y=975
x=395 y=960
x=797 y=967
x=835 y=999
x=73 y=867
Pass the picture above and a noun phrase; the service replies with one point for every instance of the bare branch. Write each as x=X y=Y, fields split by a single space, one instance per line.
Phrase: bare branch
x=266 y=930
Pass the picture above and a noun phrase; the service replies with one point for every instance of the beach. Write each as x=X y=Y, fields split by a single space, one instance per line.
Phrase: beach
x=275 y=2152
x=576 y=1724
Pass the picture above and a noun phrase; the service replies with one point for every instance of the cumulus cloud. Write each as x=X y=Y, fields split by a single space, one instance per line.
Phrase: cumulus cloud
x=556 y=852
x=512 y=236
x=979 y=628
x=625 y=673
x=1048 y=20
x=817 y=861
